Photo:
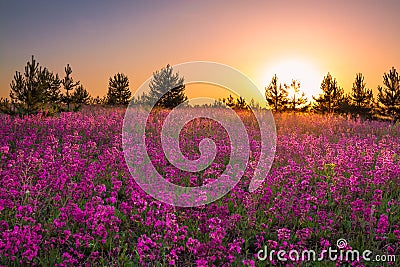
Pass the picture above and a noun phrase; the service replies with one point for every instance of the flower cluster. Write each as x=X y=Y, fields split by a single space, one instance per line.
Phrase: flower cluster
x=67 y=197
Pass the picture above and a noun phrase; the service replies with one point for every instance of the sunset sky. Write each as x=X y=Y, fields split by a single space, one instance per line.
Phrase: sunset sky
x=291 y=38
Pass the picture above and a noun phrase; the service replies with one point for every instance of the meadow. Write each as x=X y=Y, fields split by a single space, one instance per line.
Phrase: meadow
x=68 y=199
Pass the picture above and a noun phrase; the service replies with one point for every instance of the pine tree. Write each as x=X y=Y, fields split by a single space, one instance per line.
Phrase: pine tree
x=6 y=106
x=218 y=103
x=332 y=96
x=51 y=84
x=118 y=90
x=389 y=96
x=33 y=90
x=25 y=90
x=69 y=86
x=360 y=101
x=142 y=99
x=276 y=95
x=80 y=96
x=97 y=100
x=167 y=89
x=241 y=103
x=360 y=95
x=229 y=101
x=295 y=100
x=254 y=105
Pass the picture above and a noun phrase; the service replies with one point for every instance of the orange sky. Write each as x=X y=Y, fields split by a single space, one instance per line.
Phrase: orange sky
x=100 y=38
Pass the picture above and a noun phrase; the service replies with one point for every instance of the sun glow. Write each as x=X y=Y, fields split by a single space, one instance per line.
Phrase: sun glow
x=291 y=92
x=304 y=72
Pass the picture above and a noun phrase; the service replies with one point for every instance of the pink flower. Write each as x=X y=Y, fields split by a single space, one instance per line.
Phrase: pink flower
x=284 y=234
x=383 y=224
x=201 y=263
x=4 y=149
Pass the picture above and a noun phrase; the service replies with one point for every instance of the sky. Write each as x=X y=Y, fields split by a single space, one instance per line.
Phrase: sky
x=305 y=39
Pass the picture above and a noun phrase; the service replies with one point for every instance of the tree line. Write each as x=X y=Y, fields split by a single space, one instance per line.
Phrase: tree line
x=38 y=89
x=360 y=102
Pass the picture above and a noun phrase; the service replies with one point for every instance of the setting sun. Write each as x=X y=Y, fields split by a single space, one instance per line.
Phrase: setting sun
x=301 y=70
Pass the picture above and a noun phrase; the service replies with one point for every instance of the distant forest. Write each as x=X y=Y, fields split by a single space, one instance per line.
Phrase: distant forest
x=40 y=90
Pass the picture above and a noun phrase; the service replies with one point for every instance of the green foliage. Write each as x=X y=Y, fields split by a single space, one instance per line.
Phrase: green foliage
x=389 y=96
x=32 y=90
x=254 y=105
x=167 y=88
x=239 y=103
x=359 y=102
x=97 y=100
x=52 y=84
x=229 y=101
x=347 y=107
x=69 y=86
x=331 y=98
x=295 y=100
x=360 y=95
x=118 y=90
x=80 y=96
x=6 y=106
x=38 y=89
x=140 y=99
x=276 y=95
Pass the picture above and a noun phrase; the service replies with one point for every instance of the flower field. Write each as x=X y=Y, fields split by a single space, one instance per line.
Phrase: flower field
x=68 y=199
